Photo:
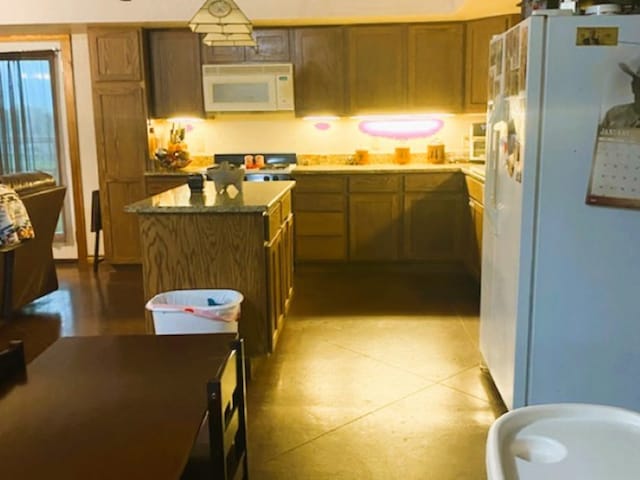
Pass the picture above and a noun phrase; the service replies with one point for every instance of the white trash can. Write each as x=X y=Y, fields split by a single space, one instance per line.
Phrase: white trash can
x=195 y=311
x=565 y=441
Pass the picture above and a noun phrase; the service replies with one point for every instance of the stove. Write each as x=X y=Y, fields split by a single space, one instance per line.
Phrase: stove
x=261 y=167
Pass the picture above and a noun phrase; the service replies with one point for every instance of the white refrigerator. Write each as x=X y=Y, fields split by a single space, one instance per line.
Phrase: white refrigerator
x=560 y=295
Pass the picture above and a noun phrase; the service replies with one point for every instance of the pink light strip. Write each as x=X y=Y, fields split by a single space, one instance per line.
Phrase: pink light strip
x=401 y=129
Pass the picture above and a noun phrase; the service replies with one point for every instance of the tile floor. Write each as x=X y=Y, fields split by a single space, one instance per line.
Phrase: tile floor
x=376 y=376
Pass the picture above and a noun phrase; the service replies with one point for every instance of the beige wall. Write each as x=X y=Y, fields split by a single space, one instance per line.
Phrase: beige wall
x=282 y=132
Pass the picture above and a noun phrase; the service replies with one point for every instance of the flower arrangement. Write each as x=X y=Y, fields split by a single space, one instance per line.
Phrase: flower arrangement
x=176 y=154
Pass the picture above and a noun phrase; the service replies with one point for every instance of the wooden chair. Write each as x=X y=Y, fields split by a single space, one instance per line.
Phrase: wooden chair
x=12 y=363
x=220 y=452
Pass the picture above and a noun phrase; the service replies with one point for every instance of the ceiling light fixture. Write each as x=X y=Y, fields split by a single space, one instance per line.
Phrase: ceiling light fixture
x=224 y=24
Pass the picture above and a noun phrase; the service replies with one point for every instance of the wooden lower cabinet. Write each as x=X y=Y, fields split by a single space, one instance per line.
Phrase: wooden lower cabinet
x=121 y=236
x=280 y=275
x=321 y=218
x=474 y=265
x=473 y=259
x=374 y=226
x=375 y=217
x=433 y=228
x=287 y=261
x=274 y=274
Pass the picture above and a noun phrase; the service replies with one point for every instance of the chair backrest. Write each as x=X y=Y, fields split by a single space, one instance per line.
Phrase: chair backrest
x=12 y=363
x=227 y=418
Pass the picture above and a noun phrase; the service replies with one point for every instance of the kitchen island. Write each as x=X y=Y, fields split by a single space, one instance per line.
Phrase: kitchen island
x=237 y=240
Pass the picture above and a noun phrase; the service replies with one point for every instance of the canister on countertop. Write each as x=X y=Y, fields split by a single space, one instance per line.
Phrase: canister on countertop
x=402 y=156
x=362 y=157
x=435 y=153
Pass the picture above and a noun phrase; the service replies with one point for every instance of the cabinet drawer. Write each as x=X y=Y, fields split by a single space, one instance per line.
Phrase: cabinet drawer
x=320 y=223
x=319 y=202
x=285 y=206
x=426 y=182
x=475 y=189
x=320 y=183
x=273 y=221
x=375 y=183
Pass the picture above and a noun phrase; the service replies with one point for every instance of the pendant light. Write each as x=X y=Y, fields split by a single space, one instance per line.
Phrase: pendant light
x=224 y=24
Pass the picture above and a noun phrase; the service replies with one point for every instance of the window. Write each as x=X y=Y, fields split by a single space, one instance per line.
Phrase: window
x=29 y=120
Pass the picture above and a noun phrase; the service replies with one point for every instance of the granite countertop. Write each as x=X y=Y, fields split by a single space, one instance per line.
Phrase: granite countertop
x=255 y=197
x=188 y=170
x=475 y=170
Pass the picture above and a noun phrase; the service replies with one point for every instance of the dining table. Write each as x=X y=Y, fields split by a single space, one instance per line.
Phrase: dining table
x=109 y=407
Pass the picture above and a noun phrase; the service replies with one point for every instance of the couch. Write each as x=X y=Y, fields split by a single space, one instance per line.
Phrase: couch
x=28 y=271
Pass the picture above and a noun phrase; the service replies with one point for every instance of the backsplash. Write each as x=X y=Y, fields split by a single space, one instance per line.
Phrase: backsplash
x=335 y=142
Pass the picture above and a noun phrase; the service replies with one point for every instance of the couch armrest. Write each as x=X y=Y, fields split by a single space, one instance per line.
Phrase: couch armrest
x=26 y=183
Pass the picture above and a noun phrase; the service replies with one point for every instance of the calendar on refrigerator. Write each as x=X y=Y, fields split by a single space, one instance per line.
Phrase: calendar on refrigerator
x=615 y=174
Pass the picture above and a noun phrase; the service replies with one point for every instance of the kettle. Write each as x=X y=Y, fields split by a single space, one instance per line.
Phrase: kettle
x=435 y=153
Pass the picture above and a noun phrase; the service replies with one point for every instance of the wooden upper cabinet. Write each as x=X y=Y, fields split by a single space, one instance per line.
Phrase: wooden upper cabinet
x=116 y=54
x=435 y=66
x=221 y=54
x=319 y=63
x=273 y=45
x=176 y=75
x=479 y=33
x=377 y=68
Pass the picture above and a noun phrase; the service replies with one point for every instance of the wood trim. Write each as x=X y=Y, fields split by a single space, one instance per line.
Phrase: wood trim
x=72 y=133
x=74 y=150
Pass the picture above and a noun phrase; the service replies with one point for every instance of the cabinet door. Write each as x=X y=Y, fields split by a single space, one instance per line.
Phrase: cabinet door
x=274 y=287
x=115 y=54
x=479 y=33
x=120 y=122
x=221 y=54
x=377 y=68
x=319 y=63
x=435 y=66
x=273 y=45
x=374 y=226
x=121 y=231
x=477 y=213
x=176 y=76
x=433 y=228
x=287 y=262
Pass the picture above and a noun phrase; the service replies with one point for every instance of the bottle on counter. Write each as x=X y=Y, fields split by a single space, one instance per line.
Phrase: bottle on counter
x=152 y=142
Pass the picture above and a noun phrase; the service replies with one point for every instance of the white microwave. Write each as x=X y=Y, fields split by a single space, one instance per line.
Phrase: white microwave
x=248 y=87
